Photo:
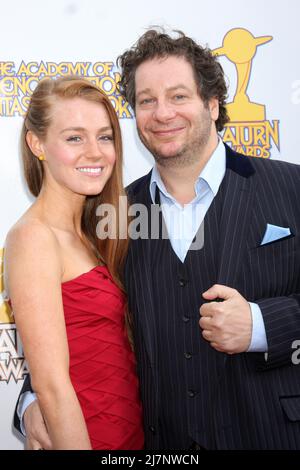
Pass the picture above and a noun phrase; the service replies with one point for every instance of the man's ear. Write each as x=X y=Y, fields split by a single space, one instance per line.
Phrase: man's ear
x=213 y=105
x=34 y=144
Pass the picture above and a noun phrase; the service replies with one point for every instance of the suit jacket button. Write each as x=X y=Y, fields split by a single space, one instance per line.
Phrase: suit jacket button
x=191 y=393
x=182 y=282
x=152 y=429
x=187 y=355
x=185 y=319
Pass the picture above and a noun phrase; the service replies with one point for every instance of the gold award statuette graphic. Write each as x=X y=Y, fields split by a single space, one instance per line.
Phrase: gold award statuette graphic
x=248 y=130
x=12 y=362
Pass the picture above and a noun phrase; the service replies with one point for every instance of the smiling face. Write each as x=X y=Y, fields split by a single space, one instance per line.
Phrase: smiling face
x=79 y=147
x=173 y=122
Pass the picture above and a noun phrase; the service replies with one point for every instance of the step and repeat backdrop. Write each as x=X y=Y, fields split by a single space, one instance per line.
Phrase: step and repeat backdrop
x=258 y=43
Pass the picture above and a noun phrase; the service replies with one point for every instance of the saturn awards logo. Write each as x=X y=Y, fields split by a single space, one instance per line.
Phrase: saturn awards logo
x=248 y=132
x=12 y=362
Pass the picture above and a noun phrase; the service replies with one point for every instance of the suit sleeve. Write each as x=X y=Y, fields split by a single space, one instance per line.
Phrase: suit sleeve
x=281 y=317
x=26 y=388
x=278 y=186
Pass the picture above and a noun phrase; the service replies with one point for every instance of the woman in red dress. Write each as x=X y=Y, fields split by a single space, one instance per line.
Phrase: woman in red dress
x=64 y=280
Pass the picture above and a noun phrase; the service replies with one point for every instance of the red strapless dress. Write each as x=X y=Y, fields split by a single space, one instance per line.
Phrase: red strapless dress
x=102 y=364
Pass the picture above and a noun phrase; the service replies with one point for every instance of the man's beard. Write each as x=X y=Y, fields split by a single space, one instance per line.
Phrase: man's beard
x=190 y=152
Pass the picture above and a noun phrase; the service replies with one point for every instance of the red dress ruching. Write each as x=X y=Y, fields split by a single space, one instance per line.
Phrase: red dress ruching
x=102 y=364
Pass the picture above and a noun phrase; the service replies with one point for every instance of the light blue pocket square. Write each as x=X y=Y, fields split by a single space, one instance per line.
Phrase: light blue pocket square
x=274 y=232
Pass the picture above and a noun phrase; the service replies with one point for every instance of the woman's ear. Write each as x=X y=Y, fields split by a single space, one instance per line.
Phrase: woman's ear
x=34 y=144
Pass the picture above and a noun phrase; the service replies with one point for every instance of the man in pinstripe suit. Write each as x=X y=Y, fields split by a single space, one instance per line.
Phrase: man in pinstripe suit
x=226 y=381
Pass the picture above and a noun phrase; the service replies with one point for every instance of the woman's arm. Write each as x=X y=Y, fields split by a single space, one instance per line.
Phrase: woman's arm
x=33 y=271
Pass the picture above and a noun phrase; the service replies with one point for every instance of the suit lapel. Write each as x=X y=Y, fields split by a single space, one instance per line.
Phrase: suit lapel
x=237 y=193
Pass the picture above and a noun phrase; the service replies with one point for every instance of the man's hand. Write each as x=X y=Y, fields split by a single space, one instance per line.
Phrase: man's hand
x=37 y=437
x=226 y=325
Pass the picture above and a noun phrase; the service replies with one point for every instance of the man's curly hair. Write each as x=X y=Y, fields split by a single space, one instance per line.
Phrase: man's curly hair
x=208 y=72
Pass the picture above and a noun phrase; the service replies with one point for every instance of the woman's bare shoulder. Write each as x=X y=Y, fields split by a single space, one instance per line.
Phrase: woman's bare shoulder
x=30 y=239
x=30 y=230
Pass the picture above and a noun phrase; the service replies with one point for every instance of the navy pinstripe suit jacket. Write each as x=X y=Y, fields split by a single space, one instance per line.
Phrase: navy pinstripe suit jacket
x=257 y=403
